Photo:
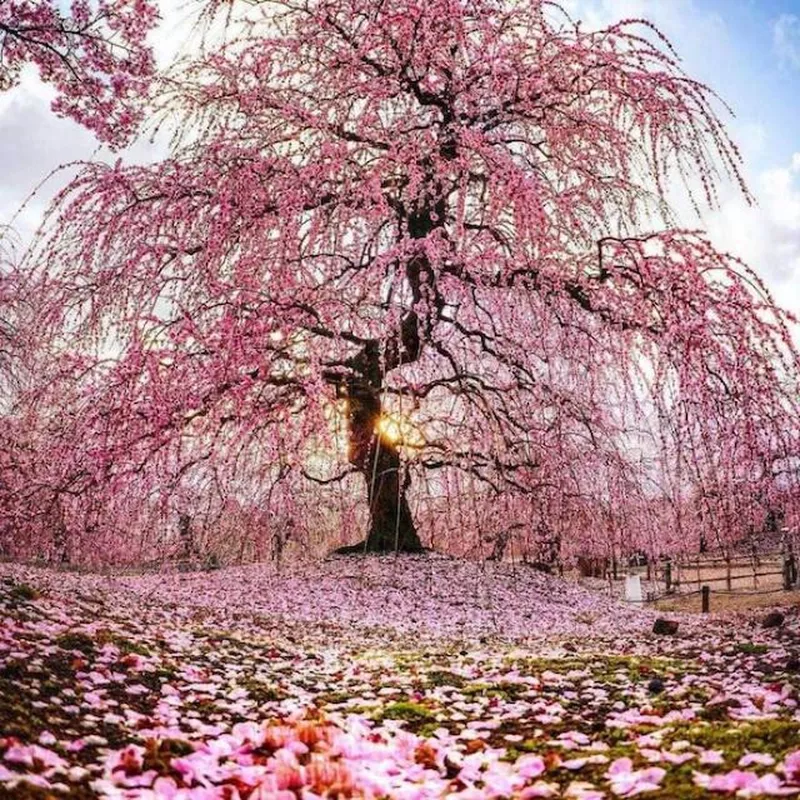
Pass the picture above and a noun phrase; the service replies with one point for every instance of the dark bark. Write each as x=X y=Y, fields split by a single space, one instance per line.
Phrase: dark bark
x=391 y=526
x=187 y=536
x=499 y=544
x=61 y=534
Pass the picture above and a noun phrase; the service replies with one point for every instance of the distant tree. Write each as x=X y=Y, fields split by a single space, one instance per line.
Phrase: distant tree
x=9 y=295
x=421 y=251
x=10 y=354
x=95 y=56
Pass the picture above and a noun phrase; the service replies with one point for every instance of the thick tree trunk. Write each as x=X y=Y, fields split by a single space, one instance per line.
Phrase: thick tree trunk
x=187 y=536
x=391 y=526
x=61 y=534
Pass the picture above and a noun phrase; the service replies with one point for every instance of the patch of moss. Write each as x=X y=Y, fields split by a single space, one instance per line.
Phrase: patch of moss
x=117 y=737
x=444 y=678
x=261 y=692
x=332 y=698
x=18 y=718
x=60 y=665
x=76 y=641
x=13 y=670
x=510 y=690
x=476 y=689
x=27 y=791
x=360 y=710
x=615 y=736
x=152 y=680
x=124 y=645
x=428 y=729
x=48 y=688
x=406 y=710
x=503 y=689
x=538 y=665
x=23 y=593
x=605 y=667
x=775 y=736
x=679 y=782
x=158 y=753
x=750 y=649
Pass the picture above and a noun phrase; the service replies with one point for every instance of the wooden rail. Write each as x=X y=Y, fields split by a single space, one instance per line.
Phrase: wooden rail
x=760 y=569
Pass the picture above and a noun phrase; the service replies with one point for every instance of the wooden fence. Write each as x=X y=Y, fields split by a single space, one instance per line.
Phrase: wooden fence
x=737 y=573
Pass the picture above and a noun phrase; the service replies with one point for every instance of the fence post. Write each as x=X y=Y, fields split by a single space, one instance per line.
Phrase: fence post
x=706 y=594
x=789 y=571
x=668 y=576
x=790 y=567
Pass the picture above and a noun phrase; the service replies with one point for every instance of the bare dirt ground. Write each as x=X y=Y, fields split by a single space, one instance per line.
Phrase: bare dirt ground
x=742 y=588
x=721 y=602
x=744 y=575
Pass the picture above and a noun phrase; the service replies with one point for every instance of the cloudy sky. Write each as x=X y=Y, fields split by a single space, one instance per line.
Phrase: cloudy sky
x=747 y=50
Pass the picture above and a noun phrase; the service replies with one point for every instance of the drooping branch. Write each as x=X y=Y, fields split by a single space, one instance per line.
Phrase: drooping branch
x=397 y=257
x=98 y=60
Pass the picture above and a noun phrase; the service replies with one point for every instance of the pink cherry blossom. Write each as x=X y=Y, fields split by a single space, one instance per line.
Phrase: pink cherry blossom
x=433 y=301
x=531 y=766
x=791 y=767
x=762 y=759
x=96 y=57
x=627 y=782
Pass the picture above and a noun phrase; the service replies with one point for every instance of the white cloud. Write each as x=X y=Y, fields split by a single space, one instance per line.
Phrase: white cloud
x=786 y=39
x=694 y=31
x=767 y=235
x=751 y=137
x=34 y=143
x=178 y=31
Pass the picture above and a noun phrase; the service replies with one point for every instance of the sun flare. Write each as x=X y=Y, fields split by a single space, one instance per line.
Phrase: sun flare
x=399 y=430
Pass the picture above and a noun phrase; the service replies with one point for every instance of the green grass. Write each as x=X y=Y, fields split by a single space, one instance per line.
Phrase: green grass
x=750 y=649
x=23 y=593
x=76 y=641
x=406 y=710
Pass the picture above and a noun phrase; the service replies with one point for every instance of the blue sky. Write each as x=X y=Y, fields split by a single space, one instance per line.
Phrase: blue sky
x=747 y=50
x=756 y=68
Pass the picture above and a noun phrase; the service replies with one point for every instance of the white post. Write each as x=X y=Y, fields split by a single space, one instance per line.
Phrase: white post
x=633 y=588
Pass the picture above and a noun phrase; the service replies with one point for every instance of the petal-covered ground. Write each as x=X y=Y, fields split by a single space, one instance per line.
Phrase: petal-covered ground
x=383 y=677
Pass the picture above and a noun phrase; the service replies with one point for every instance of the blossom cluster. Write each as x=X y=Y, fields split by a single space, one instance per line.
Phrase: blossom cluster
x=96 y=57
